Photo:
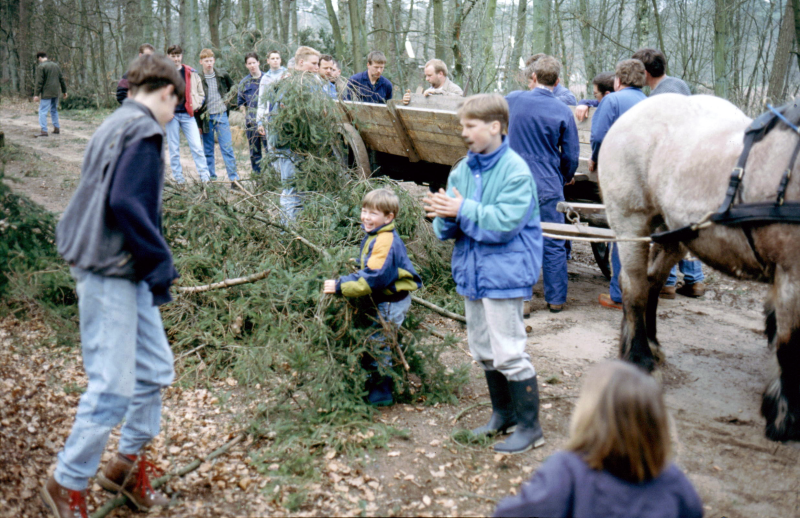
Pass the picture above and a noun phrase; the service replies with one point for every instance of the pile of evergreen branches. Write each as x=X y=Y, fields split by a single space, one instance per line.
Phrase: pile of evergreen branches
x=297 y=351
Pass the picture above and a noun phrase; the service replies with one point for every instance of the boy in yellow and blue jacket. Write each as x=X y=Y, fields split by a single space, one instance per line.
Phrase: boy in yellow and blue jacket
x=386 y=275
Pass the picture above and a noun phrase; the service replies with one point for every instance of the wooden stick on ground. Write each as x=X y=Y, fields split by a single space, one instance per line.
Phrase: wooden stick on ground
x=227 y=283
x=120 y=501
x=440 y=310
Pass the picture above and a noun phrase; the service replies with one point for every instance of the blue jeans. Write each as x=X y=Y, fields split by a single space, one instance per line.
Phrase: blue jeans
x=45 y=106
x=554 y=258
x=257 y=143
x=290 y=200
x=128 y=360
x=184 y=122
x=218 y=123
x=393 y=313
x=692 y=272
x=613 y=289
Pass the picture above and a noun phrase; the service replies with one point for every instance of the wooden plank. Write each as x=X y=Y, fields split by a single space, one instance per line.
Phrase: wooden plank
x=376 y=127
x=569 y=230
x=402 y=134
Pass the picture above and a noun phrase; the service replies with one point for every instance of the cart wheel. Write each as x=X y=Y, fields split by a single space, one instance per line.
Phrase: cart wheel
x=358 y=155
x=602 y=256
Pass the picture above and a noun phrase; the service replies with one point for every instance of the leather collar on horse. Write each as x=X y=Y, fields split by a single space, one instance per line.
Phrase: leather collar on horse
x=731 y=214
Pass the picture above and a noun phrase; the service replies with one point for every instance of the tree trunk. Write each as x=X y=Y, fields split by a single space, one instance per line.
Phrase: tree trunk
x=782 y=60
x=541 y=41
x=797 y=30
x=338 y=41
x=244 y=14
x=642 y=23
x=586 y=40
x=519 y=43
x=380 y=27
x=286 y=6
x=487 y=64
x=132 y=34
x=440 y=50
x=355 y=29
x=721 y=47
x=183 y=22
x=659 y=31
x=293 y=33
x=214 y=7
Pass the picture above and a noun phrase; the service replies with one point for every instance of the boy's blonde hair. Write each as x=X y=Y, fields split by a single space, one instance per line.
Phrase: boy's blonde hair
x=206 y=53
x=631 y=72
x=620 y=422
x=304 y=53
x=383 y=200
x=485 y=107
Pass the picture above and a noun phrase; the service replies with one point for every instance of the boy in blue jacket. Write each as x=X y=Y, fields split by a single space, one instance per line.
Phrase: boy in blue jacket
x=386 y=275
x=491 y=210
x=110 y=234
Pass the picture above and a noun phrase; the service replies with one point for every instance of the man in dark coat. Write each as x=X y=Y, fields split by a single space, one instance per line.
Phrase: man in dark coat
x=49 y=85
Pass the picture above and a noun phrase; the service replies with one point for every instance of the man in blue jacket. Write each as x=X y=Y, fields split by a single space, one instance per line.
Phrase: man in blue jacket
x=542 y=130
x=628 y=82
x=370 y=86
x=490 y=209
x=561 y=92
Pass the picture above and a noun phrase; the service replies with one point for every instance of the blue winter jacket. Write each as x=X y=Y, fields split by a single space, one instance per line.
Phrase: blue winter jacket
x=498 y=234
x=360 y=88
x=543 y=131
x=564 y=95
x=248 y=97
x=565 y=486
x=386 y=271
x=610 y=109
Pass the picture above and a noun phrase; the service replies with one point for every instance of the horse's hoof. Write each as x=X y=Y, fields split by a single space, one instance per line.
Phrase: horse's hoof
x=783 y=420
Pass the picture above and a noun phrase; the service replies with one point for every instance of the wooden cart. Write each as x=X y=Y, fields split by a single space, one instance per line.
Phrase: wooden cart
x=421 y=142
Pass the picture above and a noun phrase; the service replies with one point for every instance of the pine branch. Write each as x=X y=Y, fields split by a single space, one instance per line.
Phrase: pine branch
x=438 y=309
x=227 y=283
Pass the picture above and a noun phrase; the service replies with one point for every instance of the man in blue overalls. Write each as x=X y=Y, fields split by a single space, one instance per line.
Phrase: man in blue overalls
x=542 y=131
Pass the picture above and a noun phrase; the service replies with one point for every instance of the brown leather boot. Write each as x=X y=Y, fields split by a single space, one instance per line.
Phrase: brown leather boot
x=698 y=289
x=667 y=292
x=63 y=502
x=41 y=134
x=137 y=487
x=56 y=130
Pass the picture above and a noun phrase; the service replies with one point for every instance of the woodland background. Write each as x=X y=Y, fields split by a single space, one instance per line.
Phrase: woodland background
x=744 y=50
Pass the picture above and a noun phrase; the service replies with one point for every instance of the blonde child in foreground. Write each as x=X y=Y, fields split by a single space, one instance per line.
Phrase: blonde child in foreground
x=616 y=462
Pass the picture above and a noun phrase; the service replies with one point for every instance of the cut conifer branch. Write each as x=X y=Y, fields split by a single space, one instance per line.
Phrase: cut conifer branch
x=438 y=309
x=227 y=283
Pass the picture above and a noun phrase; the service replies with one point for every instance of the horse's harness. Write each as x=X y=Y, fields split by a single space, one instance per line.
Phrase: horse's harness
x=750 y=214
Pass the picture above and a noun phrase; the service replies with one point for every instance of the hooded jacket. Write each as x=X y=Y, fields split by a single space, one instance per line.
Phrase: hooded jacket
x=498 y=233
x=386 y=271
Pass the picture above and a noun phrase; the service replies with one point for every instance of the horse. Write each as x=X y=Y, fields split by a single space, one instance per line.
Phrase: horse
x=666 y=164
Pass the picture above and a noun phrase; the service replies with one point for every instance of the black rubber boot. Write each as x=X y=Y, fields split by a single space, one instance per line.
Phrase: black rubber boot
x=525 y=396
x=503 y=418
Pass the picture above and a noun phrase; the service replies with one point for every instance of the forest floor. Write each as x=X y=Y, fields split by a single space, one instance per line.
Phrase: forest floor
x=717 y=365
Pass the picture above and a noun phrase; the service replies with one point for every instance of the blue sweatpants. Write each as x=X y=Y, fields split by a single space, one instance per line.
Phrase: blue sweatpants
x=692 y=272
x=554 y=260
x=613 y=289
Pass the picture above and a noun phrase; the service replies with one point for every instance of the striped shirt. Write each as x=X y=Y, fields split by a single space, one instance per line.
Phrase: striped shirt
x=215 y=104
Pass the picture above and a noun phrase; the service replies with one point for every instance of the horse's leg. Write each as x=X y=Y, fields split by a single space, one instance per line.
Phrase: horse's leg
x=662 y=259
x=781 y=402
x=634 y=342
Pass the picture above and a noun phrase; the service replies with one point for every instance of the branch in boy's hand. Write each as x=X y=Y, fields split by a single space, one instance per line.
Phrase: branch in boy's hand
x=441 y=205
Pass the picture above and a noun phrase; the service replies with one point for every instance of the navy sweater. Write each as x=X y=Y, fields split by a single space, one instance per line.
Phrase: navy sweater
x=565 y=486
x=135 y=208
x=543 y=131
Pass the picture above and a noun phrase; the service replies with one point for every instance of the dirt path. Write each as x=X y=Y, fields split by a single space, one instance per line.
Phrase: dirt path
x=718 y=364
